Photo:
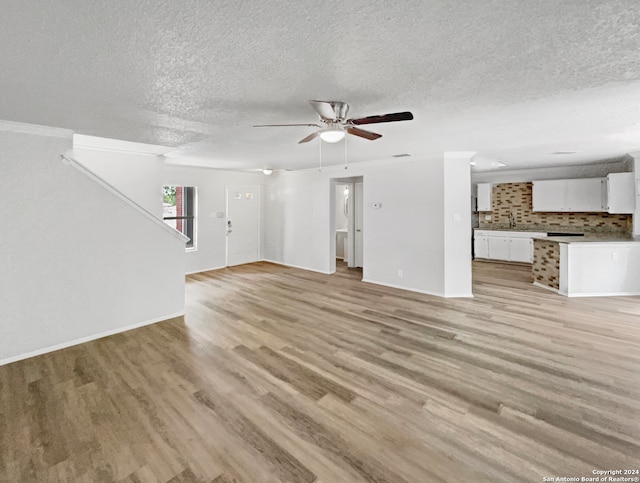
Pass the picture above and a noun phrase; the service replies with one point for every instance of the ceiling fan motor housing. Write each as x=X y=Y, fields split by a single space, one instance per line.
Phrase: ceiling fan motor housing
x=341 y=109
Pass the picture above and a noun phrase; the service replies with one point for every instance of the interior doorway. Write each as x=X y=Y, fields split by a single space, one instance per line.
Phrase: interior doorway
x=347 y=240
x=243 y=224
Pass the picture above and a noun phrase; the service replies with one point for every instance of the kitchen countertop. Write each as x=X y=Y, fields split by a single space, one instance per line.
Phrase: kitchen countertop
x=589 y=239
x=519 y=230
x=524 y=227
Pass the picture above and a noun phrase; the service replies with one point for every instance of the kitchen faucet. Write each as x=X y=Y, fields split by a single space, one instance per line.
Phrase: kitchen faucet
x=512 y=221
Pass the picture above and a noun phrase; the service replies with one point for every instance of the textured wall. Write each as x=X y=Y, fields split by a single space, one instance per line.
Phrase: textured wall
x=516 y=198
x=546 y=263
x=407 y=233
x=211 y=192
x=78 y=262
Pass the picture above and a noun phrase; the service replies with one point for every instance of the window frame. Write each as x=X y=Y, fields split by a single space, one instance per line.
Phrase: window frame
x=190 y=204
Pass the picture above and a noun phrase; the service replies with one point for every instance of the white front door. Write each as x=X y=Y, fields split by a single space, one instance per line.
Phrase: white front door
x=243 y=224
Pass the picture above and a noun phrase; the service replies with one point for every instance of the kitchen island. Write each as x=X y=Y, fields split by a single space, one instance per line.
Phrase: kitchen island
x=588 y=266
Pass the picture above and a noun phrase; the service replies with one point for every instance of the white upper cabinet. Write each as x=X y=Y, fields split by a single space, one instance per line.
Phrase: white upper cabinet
x=484 y=197
x=548 y=195
x=620 y=193
x=586 y=194
x=576 y=195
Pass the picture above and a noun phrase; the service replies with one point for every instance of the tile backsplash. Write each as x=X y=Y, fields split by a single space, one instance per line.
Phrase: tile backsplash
x=516 y=198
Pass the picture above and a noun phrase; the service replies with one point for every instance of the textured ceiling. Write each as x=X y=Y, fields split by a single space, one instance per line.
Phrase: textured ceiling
x=514 y=80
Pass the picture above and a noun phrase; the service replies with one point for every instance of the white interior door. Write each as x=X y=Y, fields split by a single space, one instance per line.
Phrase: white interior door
x=358 y=205
x=243 y=227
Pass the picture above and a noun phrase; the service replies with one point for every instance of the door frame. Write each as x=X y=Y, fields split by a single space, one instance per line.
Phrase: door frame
x=227 y=189
x=358 y=212
x=351 y=181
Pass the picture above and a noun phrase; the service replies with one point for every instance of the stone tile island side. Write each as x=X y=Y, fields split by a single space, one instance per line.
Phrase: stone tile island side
x=588 y=266
x=546 y=263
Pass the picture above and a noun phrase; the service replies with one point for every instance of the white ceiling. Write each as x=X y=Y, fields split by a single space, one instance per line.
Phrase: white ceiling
x=513 y=80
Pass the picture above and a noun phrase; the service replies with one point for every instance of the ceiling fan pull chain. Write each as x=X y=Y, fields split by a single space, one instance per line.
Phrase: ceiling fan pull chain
x=320 y=153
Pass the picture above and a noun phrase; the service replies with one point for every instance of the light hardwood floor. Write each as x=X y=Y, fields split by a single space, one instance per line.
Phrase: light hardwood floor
x=278 y=374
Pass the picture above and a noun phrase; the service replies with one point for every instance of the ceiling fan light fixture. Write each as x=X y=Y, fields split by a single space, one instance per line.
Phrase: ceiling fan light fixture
x=267 y=171
x=332 y=135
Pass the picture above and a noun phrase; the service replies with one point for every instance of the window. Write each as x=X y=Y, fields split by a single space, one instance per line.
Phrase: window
x=179 y=211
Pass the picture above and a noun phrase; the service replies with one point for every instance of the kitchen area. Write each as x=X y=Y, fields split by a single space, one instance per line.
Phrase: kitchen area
x=575 y=233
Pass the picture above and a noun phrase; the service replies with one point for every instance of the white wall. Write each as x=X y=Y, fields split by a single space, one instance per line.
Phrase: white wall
x=138 y=176
x=141 y=177
x=211 y=193
x=407 y=233
x=297 y=219
x=77 y=262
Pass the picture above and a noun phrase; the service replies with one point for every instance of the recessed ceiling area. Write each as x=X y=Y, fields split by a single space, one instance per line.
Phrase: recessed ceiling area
x=515 y=81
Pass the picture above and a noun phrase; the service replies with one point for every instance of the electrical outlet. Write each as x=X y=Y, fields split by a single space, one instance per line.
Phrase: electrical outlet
x=487 y=217
x=400 y=273
x=614 y=256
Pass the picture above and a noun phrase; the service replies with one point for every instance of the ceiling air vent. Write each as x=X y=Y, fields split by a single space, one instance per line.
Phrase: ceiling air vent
x=403 y=155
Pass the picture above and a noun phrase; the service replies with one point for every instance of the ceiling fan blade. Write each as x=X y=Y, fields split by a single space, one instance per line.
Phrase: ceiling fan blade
x=308 y=138
x=324 y=109
x=281 y=125
x=396 y=116
x=371 y=136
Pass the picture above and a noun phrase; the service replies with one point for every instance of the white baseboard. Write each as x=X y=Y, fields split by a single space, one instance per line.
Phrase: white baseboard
x=458 y=295
x=546 y=287
x=296 y=266
x=589 y=294
x=401 y=287
x=410 y=289
x=89 y=338
x=205 y=270
x=603 y=294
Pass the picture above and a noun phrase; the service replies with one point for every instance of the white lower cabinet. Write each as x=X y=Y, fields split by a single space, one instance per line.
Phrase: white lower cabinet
x=498 y=248
x=510 y=246
x=481 y=246
x=521 y=250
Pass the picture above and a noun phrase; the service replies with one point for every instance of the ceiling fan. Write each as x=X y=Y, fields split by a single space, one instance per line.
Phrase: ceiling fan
x=334 y=123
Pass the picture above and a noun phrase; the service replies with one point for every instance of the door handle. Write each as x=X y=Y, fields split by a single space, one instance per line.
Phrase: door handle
x=358 y=230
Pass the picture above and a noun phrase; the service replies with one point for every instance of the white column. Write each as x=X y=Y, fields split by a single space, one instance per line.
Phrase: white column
x=636 y=214
x=457 y=224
